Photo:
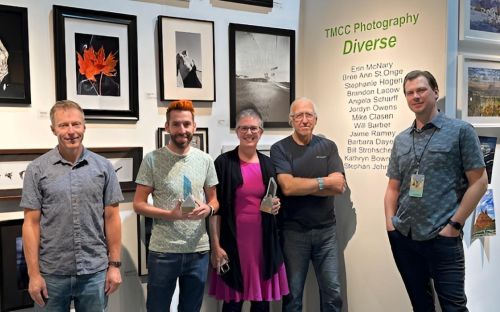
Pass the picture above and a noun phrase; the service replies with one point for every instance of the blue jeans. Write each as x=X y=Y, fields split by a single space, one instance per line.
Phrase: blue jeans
x=319 y=246
x=87 y=292
x=440 y=259
x=164 y=269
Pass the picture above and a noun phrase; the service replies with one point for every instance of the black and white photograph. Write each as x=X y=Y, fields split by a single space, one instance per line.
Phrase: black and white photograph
x=199 y=139
x=262 y=72
x=263 y=3
x=13 y=164
x=14 y=273
x=187 y=60
x=14 y=56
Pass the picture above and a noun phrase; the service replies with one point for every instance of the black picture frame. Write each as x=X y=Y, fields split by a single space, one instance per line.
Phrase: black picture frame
x=116 y=88
x=262 y=3
x=11 y=179
x=196 y=38
x=13 y=270
x=266 y=72
x=144 y=228
x=200 y=138
x=14 y=56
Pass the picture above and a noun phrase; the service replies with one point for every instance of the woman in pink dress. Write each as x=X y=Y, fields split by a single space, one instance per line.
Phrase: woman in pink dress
x=246 y=254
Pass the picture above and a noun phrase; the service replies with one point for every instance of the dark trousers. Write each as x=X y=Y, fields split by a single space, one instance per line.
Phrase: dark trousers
x=440 y=259
x=256 y=306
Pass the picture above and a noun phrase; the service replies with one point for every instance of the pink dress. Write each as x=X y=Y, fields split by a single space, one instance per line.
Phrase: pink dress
x=249 y=241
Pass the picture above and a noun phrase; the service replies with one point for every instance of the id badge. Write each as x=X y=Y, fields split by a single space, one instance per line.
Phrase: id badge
x=417 y=185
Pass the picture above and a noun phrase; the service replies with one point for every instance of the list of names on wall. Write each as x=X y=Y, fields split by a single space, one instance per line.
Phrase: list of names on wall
x=373 y=92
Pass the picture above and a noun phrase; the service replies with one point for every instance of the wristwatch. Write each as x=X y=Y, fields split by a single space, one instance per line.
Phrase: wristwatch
x=115 y=264
x=321 y=183
x=455 y=224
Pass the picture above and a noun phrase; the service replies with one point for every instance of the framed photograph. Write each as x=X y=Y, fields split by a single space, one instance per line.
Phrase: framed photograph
x=261 y=72
x=488 y=146
x=484 y=217
x=480 y=20
x=263 y=3
x=14 y=56
x=144 y=228
x=479 y=90
x=13 y=269
x=96 y=62
x=187 y=62
x=200 y=138
x=13 y=163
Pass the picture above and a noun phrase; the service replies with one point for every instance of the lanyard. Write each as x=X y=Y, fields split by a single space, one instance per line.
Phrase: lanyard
x=418 y=159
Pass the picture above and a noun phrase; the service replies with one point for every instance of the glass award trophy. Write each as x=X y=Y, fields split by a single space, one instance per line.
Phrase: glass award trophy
x=266 y=204
x=188 y=203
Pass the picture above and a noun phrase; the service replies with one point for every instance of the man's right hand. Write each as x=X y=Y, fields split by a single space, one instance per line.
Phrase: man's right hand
x=38 y=289
x=176 y=213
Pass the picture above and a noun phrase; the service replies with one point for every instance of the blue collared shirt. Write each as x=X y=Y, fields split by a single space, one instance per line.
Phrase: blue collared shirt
x=72 y=200
x=452 y=149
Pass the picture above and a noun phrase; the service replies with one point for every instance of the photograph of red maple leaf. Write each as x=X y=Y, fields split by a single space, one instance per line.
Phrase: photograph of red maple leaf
x=97 y=65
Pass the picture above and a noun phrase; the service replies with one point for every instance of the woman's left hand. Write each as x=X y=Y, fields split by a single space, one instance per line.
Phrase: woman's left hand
x=276 y=205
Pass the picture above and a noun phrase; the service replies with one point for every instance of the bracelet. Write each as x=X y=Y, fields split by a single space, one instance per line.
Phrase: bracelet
x=212 y=210
x=321 y=183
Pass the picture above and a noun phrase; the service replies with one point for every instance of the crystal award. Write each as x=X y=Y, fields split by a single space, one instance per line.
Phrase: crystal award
x=188 y=203
x=267 y=202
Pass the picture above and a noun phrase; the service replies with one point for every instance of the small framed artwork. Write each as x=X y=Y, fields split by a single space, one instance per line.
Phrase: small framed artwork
x=14 y=56
x=13 y=163
x=479 y=90
x=200 y=138
x=263 y=3
x=480 y=20
x=187 y=62
x=261 y=72
x=14 y=278
x=96 y=62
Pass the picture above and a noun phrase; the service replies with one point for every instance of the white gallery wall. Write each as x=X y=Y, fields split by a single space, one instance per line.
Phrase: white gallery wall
x=28 y=126
x=353 y=56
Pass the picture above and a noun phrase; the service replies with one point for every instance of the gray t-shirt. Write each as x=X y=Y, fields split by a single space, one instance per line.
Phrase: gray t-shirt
x=447 y=148
x=164 y=171
x=319 y=158
x=72 y=200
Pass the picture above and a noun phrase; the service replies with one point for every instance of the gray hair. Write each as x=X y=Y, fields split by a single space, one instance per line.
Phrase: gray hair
x=249 y=112
x=64 y=105
x=301 y=99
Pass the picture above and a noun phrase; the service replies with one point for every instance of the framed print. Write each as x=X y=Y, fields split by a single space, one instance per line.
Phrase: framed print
x=14 y=271
x=264 y=3
x=144 y=228
x=14 y=56
x=187 y=62
x=479 y=90
x=13 y=163
x=96 y=62
x=261 y=72
x=200 y=138
x=480 y=20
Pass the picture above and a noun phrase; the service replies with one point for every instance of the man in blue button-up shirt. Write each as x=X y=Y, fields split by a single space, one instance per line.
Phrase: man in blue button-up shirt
x=72 y=226
x=436 y=178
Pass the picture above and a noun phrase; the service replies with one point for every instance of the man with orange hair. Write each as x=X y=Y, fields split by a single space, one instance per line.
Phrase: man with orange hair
x=179 y=245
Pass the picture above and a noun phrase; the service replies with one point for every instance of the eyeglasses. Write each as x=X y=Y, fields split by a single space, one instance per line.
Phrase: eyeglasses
x=244 y=129
x=300 y=116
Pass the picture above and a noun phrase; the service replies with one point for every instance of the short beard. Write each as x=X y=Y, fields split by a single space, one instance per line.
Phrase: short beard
x=181 y=145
